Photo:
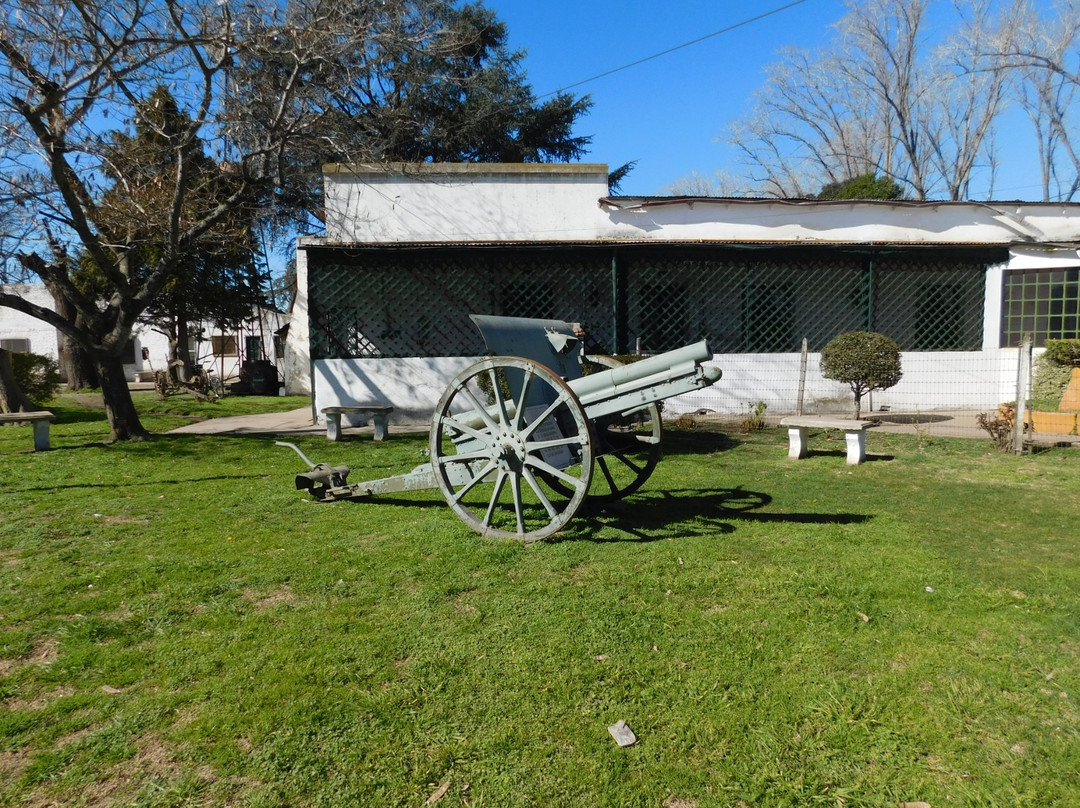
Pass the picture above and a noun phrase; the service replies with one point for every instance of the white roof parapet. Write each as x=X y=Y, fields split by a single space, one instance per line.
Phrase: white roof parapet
x=492 y=203
x=829 y=222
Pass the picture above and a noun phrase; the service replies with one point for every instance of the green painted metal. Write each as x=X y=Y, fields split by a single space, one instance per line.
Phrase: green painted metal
x=414 y=302
x=1041 y=302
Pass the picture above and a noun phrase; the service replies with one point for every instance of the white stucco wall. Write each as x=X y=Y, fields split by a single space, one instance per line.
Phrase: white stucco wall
x=812 y=222
x=297 y=359
x=932 y=381
x=568 y=202
x=411 y=386
x=464 y=202
x=44 y=339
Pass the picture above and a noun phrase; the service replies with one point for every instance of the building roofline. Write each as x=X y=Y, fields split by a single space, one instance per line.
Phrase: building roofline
x=630 y=203
x=470 y=169
x=317 y=242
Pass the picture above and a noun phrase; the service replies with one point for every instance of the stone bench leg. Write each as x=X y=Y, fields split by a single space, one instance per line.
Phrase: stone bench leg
x=856 y=447
x=333 y=426
x=796 y=442
x=382 y=425
x=41 y=436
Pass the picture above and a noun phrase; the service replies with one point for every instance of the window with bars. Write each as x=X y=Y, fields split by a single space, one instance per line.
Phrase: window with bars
x=1042 y=302
x=15 y=344
x=224 y=344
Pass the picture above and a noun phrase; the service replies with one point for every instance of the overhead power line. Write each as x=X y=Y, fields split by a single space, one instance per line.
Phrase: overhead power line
x=726 y=30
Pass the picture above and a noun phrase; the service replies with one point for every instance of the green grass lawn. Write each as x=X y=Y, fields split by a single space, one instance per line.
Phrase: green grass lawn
x=179 y=627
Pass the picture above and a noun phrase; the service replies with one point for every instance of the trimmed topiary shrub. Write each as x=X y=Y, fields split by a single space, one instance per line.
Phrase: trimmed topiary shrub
x=864 y=360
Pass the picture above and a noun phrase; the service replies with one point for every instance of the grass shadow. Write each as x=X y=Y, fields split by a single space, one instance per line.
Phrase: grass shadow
x=684 y=442
x=842 y=453
x=129 y=484
x=73 y=413
x=698 y=512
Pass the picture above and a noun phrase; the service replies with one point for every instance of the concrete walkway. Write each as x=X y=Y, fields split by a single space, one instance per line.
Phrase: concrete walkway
x=954 y=423
x=293 y=422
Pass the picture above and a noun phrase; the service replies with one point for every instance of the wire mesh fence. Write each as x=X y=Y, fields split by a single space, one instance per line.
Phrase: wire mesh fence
x=756 y=307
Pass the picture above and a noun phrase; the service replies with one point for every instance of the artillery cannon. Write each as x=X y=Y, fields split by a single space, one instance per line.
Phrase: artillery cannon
x=520 y=439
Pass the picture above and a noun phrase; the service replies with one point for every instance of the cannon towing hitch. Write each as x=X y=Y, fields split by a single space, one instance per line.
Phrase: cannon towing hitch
x=320 y=477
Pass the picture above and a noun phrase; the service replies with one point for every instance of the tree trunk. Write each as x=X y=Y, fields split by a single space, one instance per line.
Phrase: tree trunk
x=75 y=362
x=12 y=398
x=180 y=349
x=124 y=421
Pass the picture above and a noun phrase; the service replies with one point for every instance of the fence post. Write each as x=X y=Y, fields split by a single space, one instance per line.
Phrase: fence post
x=802 y=380
x=1023 y=374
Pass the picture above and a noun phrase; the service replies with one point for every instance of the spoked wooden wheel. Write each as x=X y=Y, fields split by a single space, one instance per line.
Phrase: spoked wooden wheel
x=511 y=449
x=627 y=447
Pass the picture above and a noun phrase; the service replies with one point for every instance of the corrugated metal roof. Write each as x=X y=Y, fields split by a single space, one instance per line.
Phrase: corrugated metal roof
x=644 y=242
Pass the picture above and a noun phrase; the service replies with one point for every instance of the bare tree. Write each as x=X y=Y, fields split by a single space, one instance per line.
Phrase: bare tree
x=721 y=184
x=975 y=97
x=269 y=89
x=1038 y=49
x=806 y=130
x=881 y=100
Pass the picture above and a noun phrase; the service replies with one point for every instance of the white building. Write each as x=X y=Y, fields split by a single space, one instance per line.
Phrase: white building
x=221 y=351
x=383 y=299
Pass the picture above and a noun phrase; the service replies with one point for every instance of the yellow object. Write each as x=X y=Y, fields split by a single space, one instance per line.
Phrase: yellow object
x=1055 y=423
x=1071 y=399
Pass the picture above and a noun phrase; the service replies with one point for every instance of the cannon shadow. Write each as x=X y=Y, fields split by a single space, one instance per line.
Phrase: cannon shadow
x=648 y=516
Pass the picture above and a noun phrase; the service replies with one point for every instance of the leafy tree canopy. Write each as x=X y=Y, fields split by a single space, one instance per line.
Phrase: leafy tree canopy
x=867 y=186
x=122 y=194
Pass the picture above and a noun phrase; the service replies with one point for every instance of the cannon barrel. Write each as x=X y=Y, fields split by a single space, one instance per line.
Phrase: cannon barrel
x=625 y=389
x=647 y=381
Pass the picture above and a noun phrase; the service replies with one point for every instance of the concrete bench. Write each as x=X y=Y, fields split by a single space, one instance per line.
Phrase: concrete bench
x=379 y=416
x=40 y=419
x=854 y=432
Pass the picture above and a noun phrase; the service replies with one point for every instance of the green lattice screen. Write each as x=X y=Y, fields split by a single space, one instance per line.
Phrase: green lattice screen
x=767 y=303
x=410 y=302
x=417 y=303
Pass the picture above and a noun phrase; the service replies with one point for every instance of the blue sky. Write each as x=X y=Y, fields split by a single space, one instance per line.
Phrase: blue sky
x=670 y=114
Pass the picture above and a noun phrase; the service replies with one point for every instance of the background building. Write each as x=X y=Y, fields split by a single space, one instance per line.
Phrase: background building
x=411 y=251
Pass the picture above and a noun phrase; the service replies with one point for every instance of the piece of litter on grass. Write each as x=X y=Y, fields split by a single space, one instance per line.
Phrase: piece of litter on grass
x=438 y=793
x=929 y=589
x=864 y=617
x=601 y=657
x=623 y=735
